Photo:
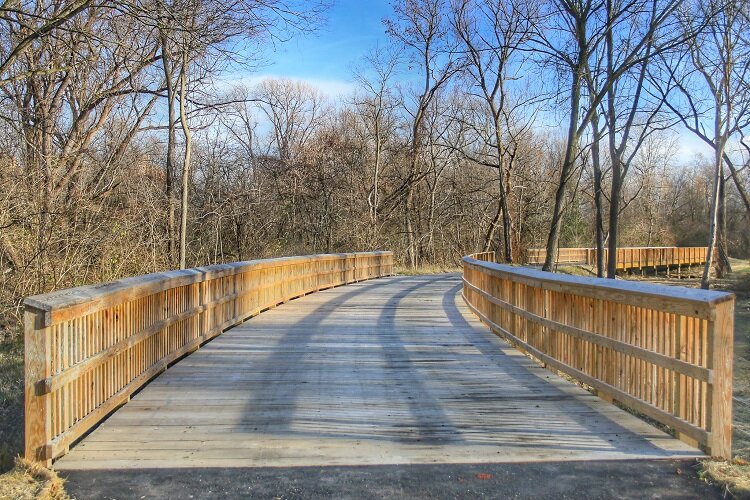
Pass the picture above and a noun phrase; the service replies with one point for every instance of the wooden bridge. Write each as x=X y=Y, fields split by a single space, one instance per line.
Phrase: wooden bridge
x=390 y=370
x=627 y=258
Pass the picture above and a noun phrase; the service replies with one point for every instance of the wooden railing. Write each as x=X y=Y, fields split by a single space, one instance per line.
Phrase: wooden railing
x=627 y=257
x=663 y=351
x=89 y=348
x=564 y=255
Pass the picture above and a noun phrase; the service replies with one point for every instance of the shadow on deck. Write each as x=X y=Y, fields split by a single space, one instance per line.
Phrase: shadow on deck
x=390 y=371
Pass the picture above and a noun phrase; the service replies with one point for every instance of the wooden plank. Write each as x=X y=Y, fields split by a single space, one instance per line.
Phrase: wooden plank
x=66 y=304
x=73 y=371
x=38 y=412
x=388 y=371
x=628 y=258
x=91 y=347
x=687 y=301
x=719 y=398
x=637 y=404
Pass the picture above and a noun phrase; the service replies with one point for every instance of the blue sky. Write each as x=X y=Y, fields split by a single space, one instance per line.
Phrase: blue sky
x=353 y=28
x=325 y=58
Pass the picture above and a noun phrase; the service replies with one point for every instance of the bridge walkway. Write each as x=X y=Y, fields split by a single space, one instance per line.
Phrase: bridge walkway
x=388 y=371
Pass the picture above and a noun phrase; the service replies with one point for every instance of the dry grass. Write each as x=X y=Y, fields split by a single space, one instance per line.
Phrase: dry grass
x=426 y=269
x=733 y=477
x=11 y=397
x=28 y=480
x=577 y=270
x=21 y=479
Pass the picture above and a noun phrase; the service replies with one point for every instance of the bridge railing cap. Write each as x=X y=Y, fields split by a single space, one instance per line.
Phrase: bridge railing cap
x=614 y=290
x=98 y=296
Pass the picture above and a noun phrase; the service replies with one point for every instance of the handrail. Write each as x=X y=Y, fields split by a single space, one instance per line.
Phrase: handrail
x=627 y=257
x=661 y=350
x=89 y=348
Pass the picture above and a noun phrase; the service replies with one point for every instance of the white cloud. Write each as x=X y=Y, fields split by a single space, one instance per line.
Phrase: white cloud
x=690 y=147
x=332 y=88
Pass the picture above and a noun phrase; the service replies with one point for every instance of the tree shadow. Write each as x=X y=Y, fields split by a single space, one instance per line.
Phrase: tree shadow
x=429 y=421
x=394 y=360
x=285 y=367
x=518 y=370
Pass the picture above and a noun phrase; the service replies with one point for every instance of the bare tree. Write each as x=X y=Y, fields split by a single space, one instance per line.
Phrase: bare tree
x=27 y=23
x=201 y=36
x=630 y=116
x=573 y=33
x=376 y=108
x=706 y=87
x=294 y=110
x=421 y=27
x=494 y=35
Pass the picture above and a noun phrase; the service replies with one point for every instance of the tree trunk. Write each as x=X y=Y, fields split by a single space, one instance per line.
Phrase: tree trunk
x=614 y=218
x=615 y=155
x=507 y=219
x=376 y=182
x=507 y=222
x=431 y=222
x=186 y=165
x=571 y=151
x=170 y=166
x=411 y=250
x=723 y=266
x=169 y=183
x=712 y=232
x=489 y=235
x=598 y=202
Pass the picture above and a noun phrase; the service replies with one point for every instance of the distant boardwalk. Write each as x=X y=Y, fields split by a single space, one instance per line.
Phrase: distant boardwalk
x=389 y=371
x=628 y=258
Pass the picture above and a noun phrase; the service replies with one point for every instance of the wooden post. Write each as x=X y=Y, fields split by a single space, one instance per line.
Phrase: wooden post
x=38 y=410
x=720 y=359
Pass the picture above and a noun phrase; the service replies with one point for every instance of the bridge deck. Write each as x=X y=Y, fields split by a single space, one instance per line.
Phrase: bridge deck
x=389 y=371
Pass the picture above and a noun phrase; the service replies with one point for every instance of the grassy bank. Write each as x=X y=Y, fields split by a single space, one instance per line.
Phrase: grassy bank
x=11 y=397
x=31 y=481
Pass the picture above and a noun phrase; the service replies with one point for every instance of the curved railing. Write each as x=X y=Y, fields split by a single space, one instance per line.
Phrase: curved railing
x=89 y=348
x=628 y=258
x=663 y=351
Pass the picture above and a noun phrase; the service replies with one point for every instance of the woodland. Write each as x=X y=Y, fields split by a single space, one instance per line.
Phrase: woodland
x=498 y=125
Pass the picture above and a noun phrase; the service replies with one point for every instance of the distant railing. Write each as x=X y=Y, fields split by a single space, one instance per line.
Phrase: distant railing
x=89 y=348
x=627 y=257
x=564 y=255
x=663 y=351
